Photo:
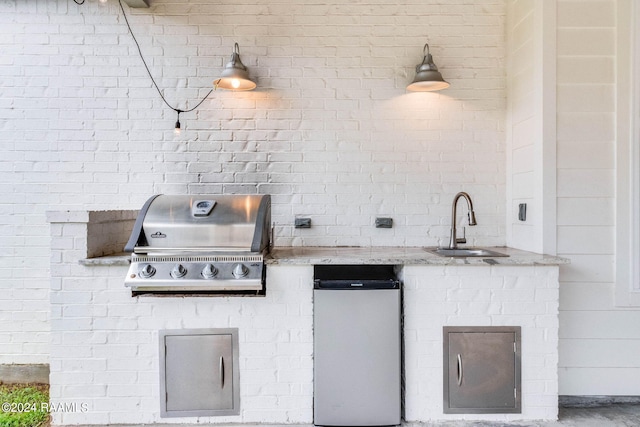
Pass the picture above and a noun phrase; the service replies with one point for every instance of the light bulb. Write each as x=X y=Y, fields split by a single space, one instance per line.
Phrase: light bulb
x=235 y=83
x=176 y=128
x=102 y=2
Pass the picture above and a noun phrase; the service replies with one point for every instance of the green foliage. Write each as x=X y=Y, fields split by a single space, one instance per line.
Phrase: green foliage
x=23 y=405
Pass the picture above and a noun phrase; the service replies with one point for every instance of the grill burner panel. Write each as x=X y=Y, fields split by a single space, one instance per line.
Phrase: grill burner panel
x=190 y=267
x=224 y=271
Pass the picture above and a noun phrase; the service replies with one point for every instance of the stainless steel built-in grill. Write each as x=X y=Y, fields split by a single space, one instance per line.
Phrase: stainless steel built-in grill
x=200 y=244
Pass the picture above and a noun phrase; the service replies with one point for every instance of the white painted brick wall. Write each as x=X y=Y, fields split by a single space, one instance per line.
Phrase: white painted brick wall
x=330 y=130
x=82 y=128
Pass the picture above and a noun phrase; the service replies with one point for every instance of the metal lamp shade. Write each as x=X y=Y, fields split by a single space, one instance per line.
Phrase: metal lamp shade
x=428 y=78
x=235 y=75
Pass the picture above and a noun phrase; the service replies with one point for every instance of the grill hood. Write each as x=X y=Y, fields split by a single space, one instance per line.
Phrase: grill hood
x=202 y=223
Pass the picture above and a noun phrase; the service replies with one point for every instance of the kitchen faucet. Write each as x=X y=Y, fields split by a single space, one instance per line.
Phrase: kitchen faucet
x=453 y=240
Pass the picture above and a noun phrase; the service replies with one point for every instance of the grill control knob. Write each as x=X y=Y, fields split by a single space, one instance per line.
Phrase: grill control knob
x=178 y=271
x=147 y=271
x=239 y=271
x=209 y=271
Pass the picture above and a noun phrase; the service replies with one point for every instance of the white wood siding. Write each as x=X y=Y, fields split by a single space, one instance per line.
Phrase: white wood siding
x=599 y=343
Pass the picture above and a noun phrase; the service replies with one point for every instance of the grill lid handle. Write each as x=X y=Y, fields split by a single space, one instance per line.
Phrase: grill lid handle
x=261 y=236
x=137 y=234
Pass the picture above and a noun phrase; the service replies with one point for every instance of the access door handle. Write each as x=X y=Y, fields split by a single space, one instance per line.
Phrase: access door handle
x=221 y=369
x=460 y=373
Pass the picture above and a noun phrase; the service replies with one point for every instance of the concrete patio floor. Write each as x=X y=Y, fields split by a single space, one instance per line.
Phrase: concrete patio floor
x=627 y=415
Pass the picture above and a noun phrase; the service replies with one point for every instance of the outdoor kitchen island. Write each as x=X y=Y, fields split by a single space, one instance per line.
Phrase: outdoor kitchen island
x=105 y=343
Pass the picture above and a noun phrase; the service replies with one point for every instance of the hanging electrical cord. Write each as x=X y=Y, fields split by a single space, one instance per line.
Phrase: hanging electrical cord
x=177 y=110
x=126 y=20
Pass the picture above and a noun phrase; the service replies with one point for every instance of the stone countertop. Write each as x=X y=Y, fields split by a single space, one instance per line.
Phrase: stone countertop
x=114 y=259
x=372 y=255
x=401 y=256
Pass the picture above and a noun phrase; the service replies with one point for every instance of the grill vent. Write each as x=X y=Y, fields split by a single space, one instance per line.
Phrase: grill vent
x=200 y=258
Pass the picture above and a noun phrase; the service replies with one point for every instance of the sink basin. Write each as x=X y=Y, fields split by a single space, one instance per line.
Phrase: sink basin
x=466 y=252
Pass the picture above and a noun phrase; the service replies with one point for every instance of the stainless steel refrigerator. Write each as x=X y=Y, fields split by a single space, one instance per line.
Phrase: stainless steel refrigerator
x=357 y=347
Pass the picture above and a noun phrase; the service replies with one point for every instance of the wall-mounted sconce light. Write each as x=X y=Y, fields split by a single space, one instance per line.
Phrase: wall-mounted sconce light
x=428 y=77
x=235 y=75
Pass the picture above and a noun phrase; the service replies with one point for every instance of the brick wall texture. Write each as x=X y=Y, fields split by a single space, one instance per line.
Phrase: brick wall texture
x=330 y=130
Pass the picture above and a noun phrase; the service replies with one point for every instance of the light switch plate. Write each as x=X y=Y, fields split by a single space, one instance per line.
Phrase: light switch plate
x=522 y=211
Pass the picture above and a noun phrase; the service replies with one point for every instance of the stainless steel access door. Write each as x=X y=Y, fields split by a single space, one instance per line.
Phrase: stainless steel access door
x=482 y=370
x=199 y=372
x=357 y=357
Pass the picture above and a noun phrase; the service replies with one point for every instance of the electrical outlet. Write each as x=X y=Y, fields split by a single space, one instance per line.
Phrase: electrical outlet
x=384 y=222
x=302 y=223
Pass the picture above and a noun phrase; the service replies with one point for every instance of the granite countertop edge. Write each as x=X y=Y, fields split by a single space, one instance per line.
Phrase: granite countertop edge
x=402 y=256
x=113 y=259
x=304 y=255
